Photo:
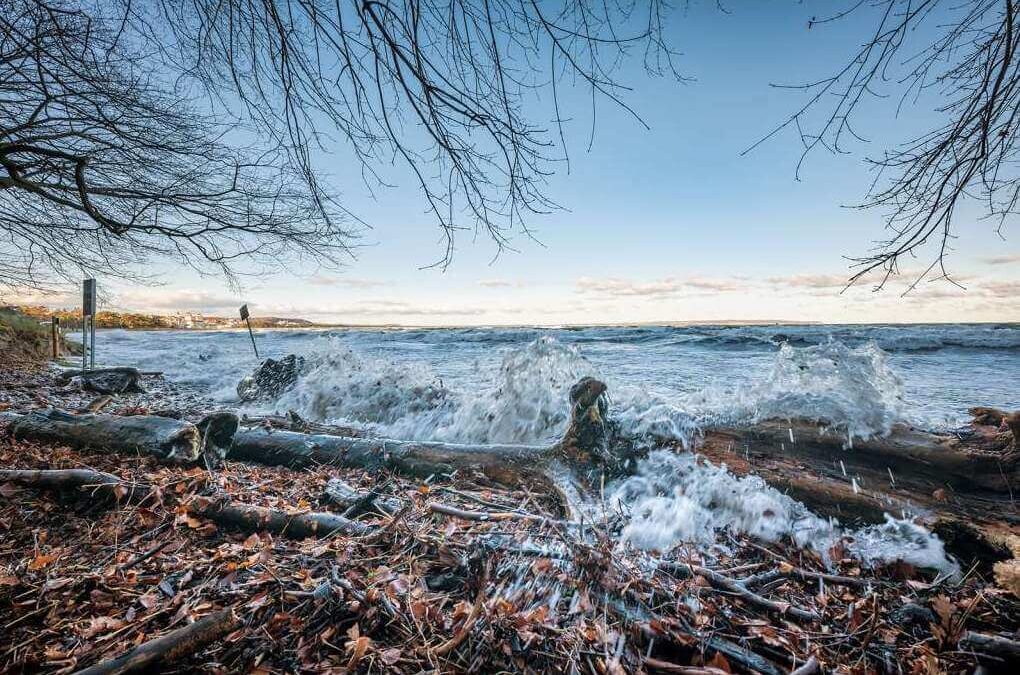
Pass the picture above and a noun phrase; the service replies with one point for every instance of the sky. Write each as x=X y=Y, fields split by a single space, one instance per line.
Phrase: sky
x=667 y=224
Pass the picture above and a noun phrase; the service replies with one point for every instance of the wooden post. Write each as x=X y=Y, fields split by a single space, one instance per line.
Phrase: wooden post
x=55 y=336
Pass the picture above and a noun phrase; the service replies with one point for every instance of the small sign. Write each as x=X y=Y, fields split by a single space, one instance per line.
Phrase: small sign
x=244 y=311
x=88 y=301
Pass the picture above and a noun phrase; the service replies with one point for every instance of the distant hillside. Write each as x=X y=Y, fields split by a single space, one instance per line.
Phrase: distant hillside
x=71 y=318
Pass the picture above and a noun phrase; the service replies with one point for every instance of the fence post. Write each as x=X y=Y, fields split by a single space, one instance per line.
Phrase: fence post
x=55 y=336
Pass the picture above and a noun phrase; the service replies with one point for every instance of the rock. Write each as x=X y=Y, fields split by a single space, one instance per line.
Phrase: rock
x=912 y=616
x=270 y=379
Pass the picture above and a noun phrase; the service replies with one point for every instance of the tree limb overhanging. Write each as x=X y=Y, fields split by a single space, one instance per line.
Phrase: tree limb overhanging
x=961 y=58
x=138 y=129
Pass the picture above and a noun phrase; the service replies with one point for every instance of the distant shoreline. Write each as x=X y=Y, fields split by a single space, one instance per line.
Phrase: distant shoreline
x=654 y=324
x=191 y=321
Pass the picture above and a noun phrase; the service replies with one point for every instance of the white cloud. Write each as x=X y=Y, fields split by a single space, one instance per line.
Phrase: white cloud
x=661 y=288
x=500 y=283
x=811 y=280
x=185 y=299
x=625 y=288
x=349 y=282
x=1002 y=259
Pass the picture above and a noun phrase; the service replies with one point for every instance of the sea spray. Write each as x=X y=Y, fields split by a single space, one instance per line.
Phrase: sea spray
x=852 y=389
x=526 y=401
x=680 y=497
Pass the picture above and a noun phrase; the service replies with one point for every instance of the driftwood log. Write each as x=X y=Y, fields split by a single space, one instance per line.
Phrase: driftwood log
x=120 y=380
x=162 y=437
x=173 y=646
x=983 y=459
x=224 y=512
x=502 y=463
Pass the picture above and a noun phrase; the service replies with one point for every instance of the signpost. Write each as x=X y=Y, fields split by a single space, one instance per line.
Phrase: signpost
x=244 y=315
x=88 y=325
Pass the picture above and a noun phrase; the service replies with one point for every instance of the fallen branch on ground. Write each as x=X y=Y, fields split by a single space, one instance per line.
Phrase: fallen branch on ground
x=722 y=582
x=169 y=648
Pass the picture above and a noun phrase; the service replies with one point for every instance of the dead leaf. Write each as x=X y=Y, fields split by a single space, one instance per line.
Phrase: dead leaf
x=41 y=561
x=390 y=656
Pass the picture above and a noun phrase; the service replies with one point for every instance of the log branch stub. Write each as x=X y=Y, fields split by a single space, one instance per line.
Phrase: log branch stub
x=353 y=502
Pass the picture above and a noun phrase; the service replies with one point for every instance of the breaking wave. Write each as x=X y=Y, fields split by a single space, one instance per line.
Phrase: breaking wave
x=525 y=399
x=524 y=402
x=853 y=389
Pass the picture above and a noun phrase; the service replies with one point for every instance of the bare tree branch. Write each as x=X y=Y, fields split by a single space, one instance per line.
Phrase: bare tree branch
x=967 y=62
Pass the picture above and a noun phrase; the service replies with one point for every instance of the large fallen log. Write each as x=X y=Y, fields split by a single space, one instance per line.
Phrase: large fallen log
x=509 y=464
x=173 y=646
x=983 y=459
x=166 y=438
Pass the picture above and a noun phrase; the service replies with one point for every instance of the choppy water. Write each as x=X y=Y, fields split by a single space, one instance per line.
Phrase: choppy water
x=861 y=377
x=509 y=385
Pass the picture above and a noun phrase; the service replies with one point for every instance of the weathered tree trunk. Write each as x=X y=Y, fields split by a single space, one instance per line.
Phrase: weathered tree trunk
x=162 y=437
x=907 y=456
x=502 y=463
x=173 y=646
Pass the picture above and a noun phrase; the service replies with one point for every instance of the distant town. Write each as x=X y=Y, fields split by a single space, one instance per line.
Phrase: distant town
x=71 y=318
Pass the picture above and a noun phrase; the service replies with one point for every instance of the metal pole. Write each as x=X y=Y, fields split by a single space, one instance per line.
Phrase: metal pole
x=84 y=344
x=55 y=335
x=248 y=321
x=92 y=352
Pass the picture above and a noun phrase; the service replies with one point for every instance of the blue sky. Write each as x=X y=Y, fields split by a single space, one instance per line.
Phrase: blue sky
x=667 y=224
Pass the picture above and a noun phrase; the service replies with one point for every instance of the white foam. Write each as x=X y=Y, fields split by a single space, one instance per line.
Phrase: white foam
x=675 y=498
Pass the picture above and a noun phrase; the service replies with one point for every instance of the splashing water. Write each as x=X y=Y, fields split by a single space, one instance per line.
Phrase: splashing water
x=851 y=388
x=525 y=404
x=674 y=498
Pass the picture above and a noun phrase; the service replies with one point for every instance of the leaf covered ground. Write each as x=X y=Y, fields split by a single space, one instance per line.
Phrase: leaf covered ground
x=465 y=577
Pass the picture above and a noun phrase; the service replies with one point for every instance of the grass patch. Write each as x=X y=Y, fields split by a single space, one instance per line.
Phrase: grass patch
x=23 y=340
